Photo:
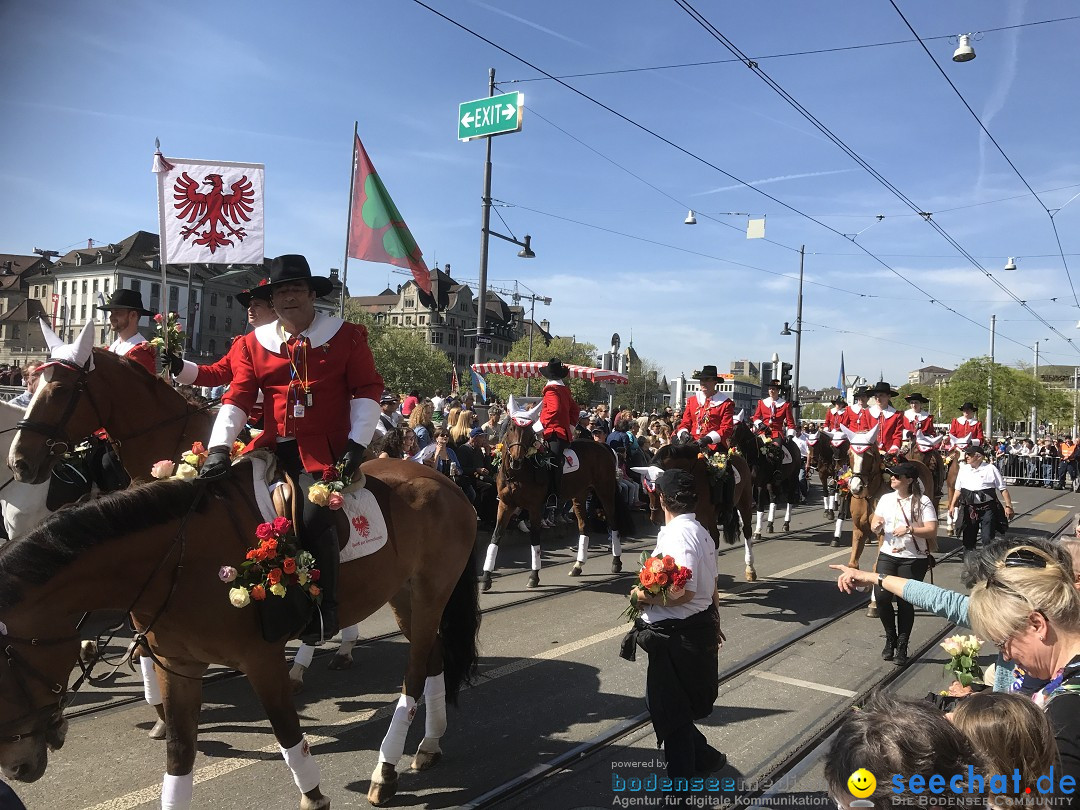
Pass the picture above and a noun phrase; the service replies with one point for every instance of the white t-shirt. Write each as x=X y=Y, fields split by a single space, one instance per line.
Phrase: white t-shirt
x=437 y=403
x=984 y=476
x=688 y=542
x=898 y=513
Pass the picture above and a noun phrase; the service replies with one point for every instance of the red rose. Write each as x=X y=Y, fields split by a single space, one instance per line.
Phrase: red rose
x=281 y=526
x=258 y=592
x=288 y=565
x=251 y=554
x=669 y=563
x=264 y=530
x=329 y=474
x=661 y=579
x=269 y=546
x=198 y=448
x=274 y=576
x=314 y=574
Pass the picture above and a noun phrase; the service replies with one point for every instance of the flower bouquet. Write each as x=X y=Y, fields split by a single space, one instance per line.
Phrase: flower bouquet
x=168 y=337
x=327 y=492
x=843 y=482
x=660 y=576
x=963 y=664
x=277 y=575
x=190 y=463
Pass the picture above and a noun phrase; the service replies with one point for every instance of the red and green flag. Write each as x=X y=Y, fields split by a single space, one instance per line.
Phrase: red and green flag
x=377 y=231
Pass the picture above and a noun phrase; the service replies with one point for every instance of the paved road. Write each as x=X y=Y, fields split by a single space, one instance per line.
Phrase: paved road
x=551 y=680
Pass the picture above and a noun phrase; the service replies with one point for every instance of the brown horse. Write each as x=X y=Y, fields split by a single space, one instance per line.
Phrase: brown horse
x=827 y=455
x=155 y=551
x=710 y=514
x=928 y=452
x=952 y=460
x=523 y=483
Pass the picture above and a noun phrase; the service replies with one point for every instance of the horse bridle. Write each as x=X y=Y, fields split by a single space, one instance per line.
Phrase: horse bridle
x=862 y=477
x=58 y=431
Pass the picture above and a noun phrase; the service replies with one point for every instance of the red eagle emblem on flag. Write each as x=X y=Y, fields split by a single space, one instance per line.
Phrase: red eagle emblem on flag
x=213 y=208
x=360 y=523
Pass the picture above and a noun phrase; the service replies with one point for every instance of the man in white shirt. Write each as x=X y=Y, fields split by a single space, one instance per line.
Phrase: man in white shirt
x=438 y=401
x=978 y=485
x=797 y=436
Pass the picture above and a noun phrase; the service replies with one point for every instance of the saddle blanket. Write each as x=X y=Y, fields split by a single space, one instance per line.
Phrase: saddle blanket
x=570 y=461
x=787 y=454
x=367 y=532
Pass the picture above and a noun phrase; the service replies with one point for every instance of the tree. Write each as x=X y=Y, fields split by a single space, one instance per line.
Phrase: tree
x=643 y=391
x=403 y=358
x=567 y=350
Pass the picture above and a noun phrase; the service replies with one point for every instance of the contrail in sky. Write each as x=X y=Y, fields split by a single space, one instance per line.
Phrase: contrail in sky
x=523 y=21
x=767 y=180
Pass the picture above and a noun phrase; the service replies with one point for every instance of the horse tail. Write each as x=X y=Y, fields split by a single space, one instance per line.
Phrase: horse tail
x=731 y=526
x=459 y=629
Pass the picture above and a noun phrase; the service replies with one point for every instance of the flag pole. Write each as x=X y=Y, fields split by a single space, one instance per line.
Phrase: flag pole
x=159 y=168
x=348 y=224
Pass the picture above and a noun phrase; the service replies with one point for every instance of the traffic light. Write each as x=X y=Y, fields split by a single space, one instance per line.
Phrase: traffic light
x=765 y=375
x=785 y=379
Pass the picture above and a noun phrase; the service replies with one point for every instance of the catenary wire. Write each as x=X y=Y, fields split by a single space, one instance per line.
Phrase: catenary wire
x=932 y=299
x=997 y=146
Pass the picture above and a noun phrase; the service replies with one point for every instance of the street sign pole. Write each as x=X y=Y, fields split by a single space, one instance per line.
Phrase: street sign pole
x=481 y=305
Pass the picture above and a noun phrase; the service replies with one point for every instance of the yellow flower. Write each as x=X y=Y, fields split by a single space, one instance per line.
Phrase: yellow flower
x=192 y=459
x=277 y=590
x=302 y=576
x=319 y=495
x=186 y=472
x=238 y=597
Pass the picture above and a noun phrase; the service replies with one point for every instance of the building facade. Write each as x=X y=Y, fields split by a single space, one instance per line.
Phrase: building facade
x=929 y=375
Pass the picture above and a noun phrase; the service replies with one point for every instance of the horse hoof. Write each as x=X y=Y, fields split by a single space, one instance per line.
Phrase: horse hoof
x=426 y=759
x=835 y=542
x=871 y=612
x=751 y=574
x=320 y=803
x=787 y=526
x=88 y=651
x=829 y=515
x=381 y=792
x=574 y=572
x=616 y=565
x=534 y=580
x=757 y=537
x=158 y=731
x=769 y=527
x=340 y=662
x=485 y=582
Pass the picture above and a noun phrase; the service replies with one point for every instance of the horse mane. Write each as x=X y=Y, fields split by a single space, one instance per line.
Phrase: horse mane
x=36 y=557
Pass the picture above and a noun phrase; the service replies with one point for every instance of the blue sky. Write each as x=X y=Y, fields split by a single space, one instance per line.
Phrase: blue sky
x=88 y=86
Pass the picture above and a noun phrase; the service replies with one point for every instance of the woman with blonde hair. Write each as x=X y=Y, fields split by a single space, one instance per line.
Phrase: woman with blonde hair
x=1010 y=733
x=421 y=424
x=1030 y=609
x=460 y=426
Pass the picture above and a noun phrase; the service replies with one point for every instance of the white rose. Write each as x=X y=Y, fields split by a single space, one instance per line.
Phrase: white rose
x=239 y=597
x=186 y=471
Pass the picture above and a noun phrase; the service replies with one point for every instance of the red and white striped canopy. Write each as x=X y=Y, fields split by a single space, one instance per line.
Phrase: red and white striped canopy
x=520 y=370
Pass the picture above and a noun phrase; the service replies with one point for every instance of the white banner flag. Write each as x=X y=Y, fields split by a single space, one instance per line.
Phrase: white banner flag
x=210 y=213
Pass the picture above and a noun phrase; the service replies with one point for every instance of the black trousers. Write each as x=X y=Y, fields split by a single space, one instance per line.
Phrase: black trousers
x=684 y=751
x=557 y=447
x=898 y=619
x=983 y=523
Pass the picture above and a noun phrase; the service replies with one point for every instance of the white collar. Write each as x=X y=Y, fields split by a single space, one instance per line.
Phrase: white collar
x=122 y=347
x=769 y=402
x=911 y=413
x=715 y=399
x=963 y=420
x=323 y=327
x=876 y=411
x=856 y=407
x=554 y=382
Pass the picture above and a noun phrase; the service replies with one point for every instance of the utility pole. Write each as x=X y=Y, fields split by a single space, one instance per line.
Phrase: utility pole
x=798 y=338
x=1076 y=385
x=990 y=383
x=486 y=220
x=1035 y=399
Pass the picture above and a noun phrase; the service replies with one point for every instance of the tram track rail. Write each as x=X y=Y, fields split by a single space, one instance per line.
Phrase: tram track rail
x=802 y=753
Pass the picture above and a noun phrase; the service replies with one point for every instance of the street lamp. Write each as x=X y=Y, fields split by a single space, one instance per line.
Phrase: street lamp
x=526 y=252
x=787 y=330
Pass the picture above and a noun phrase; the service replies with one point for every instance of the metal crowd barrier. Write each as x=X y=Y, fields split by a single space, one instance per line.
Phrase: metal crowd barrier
x=1035 y=471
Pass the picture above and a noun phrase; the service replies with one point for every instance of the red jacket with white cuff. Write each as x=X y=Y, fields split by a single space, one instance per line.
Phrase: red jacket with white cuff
x=914 y=421
x=558 y=412
x=711 y=418
x=890 y=424
x=775 y=415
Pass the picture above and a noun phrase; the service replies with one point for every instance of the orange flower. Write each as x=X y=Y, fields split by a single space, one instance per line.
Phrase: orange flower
x=661 y=579
x=252 y=553
x=669 y=563
x=274 y=576
x=288 y=565
x=258 y=592
x=655 y=564
x=647 y=578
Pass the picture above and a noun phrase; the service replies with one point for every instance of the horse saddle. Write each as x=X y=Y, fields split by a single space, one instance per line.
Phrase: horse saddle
x=360 y=523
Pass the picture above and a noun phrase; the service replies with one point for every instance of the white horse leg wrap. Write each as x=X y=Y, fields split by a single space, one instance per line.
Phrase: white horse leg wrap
x=759 y=516
x=434 y=709
x=787 y=514
x=829 y=501
x=616 y=544
x=839 y=528
x=748 y=544
x=151 y=687
x=304 y=654
x=489 y=560
x=393 y=744
x=873 y=596
x=536 y=558
x=176 y=791
x=305 y=770
x=772 y=512
x=582 y=548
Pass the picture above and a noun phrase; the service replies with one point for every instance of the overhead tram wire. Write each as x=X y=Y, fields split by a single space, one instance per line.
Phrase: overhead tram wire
x=703 y=161
x=815 y=52
x=701 y=20
x=997 y=146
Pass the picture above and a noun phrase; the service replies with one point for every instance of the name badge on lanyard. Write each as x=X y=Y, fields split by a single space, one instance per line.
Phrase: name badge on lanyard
x=298 y=410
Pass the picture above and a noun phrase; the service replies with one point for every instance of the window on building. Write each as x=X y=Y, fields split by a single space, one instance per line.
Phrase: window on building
x=409 y=303
x=155 y=298
x=213 y=299
x=106 y=285
x=228 y=302
x=63 y=288
x=434 y=338
x=212 y=346
x=136 y=285
x=82 y=312
x=213 y=321
x=174 y=299
x=84 y=286
x=228 y=324
x=394 y=320
x=95 y=285
x=423 y=319
x=408 y=320
x=15 y=332
x=453 y=339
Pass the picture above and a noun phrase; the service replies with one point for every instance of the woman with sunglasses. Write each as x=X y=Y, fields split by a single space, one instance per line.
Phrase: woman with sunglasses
x=907 y=522
x=1030 y=609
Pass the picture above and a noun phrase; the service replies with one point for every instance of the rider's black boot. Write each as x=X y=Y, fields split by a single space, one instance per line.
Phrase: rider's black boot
x=325 y=549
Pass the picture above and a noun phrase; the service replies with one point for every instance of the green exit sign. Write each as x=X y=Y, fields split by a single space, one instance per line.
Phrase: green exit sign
x=494 y=115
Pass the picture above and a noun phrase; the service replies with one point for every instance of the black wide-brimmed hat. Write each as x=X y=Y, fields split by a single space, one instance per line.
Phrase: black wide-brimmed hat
x=555 y=370
x=882 y=387
x=861 y=391
x=839 y=400
x=968 y=406
x=917 y=398
x=125 y=299
x=261 y=291
x=706 y=373
x=774 y=384
x=294 y=267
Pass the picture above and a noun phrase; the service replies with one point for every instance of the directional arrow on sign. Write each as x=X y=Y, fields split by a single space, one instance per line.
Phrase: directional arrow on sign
x=510 y=110
x=467 y=119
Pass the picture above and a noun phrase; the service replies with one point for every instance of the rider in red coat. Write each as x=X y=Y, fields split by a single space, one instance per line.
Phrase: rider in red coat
x=856 y=417
x=834 y=418
x=774 y=413
x=915 y=418
x=889 y=421
x=558 y=415
x=708 y=416
x=967 y=427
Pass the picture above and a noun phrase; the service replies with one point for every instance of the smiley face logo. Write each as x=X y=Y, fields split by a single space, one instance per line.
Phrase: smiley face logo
x=861 y=783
